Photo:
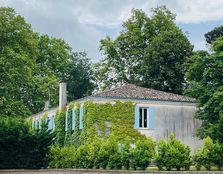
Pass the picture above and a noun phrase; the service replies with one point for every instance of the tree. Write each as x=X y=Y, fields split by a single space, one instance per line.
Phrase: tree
x=80 y=76
x=205 y=74
x=214 y=34
x=31 y=66
x=124 y=57
x=18 y=49
x=52 y=61
x=164 y=59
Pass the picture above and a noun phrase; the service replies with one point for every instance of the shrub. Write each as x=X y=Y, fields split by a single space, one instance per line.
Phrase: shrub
x=126 y=153
x=109 y=155
x=209 y=155
x=142 y=154
x=172 y=154
x=21 y=147
x=62 y=157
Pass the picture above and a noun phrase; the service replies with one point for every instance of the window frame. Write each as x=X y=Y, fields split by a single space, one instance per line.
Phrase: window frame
x=143 y=117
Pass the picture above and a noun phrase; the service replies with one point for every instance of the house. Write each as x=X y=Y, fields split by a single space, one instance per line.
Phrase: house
x=156 y=113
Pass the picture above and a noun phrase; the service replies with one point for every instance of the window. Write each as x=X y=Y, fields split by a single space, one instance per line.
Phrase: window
x=143 y=118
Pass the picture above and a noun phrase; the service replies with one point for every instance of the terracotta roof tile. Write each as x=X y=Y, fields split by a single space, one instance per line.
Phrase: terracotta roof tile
x=130 y=91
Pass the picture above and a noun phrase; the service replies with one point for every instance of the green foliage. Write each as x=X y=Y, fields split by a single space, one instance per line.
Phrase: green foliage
x=60 y=128
x=126 y=153
x=18 y=45
x=204 y=75
x=107 y=120
x=172 y=154
x=164 y=59
x=102 y=154
x=214 y=34
x=31 y=66
x=104 y=121
x=21 y=147
x=142 y=154
x=80 y=76
x=211 y=154
x=141 y=47
x=62 y=157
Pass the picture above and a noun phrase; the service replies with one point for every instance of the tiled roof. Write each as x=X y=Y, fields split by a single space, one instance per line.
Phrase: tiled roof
x=130 y=91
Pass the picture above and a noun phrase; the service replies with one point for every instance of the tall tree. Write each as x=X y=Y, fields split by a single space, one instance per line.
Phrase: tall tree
x=124 y=57
x=80 y=76
x=18 y=49
x=31 y=66
x=52 y=61
x=214 y=34
x=205 y=76
x=164 y=59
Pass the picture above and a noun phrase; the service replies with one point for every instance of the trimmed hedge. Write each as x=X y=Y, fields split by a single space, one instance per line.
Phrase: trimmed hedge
x=211 y=154
x=21 y=147
x=172 y=154
x=104 y=154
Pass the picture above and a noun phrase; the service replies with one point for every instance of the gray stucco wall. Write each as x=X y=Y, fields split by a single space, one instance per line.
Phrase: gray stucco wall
x=177 y=119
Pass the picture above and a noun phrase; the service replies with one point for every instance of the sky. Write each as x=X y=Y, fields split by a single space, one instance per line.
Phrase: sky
x=83 y=23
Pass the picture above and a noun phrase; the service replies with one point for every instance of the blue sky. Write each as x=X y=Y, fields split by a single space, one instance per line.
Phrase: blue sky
x=83 y=24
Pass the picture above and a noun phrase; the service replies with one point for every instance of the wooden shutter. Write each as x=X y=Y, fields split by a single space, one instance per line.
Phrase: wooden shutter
x=81 y=117
x=151 y=117
x=66 y=121
x=73 y=118
x=136 y=125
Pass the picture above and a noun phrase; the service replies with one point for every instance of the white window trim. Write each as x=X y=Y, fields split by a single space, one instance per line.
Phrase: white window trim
x=143 y=127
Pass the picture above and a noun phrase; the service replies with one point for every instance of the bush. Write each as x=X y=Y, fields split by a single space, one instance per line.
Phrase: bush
x=21 y=147
x=211 y=154
x=109 y=155
x=126 y=155
x=62 y=157
x=172 y=154
x=142 y=154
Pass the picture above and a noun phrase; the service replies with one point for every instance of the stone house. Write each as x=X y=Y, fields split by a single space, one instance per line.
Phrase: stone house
x=156 y=113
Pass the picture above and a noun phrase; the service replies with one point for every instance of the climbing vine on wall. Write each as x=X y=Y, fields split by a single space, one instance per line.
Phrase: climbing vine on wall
x=101 y=120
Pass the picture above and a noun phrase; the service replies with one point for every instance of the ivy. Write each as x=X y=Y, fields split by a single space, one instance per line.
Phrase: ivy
x=100 y=120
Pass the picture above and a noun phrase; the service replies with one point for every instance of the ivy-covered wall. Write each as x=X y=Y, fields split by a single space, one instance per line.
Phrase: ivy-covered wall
x=101 y=120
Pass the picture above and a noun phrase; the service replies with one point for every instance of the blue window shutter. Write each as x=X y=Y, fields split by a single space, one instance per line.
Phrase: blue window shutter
x=40 y=123
x=53 y=123
x=81 y=117
x=66 y=121
x=36 y=124
x=151 y=118
x=33 y=123
x=73 y=118
x=136 y=125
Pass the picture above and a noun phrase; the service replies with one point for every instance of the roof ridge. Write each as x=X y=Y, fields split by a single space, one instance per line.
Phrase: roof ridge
x=161 y=91
x=133 y=91
x=112 y=89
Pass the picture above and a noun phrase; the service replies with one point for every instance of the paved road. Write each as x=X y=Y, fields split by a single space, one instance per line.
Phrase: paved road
x=74 y=171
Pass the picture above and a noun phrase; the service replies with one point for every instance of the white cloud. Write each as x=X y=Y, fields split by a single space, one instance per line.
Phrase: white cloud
x=196 y=11
x=83 y=23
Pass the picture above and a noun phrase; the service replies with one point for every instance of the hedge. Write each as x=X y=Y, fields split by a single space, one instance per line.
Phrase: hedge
x=21 y=147
x=104 y=154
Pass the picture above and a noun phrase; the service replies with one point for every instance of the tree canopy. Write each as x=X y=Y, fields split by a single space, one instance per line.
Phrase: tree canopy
x=126 y=58
x=205 y=76
x=214 y=34
x=31 y=66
